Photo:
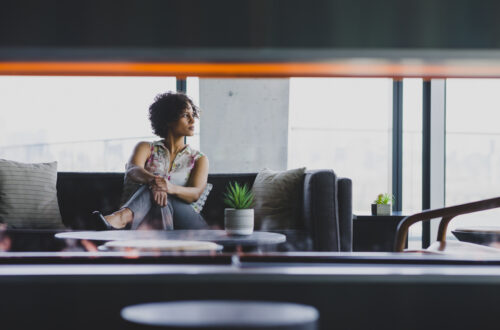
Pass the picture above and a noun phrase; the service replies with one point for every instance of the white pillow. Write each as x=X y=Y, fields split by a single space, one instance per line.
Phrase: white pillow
x=198 y=205
x=28 y=195
x=277 y=199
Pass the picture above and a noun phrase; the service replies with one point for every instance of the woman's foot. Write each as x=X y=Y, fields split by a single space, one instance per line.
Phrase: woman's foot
x=120 y=218
x=116 y=220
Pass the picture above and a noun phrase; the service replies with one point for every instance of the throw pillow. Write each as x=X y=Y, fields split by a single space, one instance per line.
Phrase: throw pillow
x=28 y=195
x=277 y=199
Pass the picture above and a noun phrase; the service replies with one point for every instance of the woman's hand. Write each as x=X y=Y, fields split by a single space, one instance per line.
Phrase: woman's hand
x=159 y=190
x=160 y=198
x=159 y=183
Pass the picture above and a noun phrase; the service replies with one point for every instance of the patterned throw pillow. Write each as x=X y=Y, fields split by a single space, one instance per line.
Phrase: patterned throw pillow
x=28 y=195
x=277 y=199
x=198 y=205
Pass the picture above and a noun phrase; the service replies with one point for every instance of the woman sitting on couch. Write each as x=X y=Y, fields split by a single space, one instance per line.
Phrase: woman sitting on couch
x=165 y=181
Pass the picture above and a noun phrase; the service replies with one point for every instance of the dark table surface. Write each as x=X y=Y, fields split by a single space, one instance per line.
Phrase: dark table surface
x=393 y=215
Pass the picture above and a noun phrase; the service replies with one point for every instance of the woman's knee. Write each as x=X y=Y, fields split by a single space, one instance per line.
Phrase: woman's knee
x=185 y=217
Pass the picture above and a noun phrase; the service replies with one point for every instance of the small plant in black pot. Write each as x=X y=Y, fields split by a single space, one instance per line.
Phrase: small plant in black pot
x=382 y=205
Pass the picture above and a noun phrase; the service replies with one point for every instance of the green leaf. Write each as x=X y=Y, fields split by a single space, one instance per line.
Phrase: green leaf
x=234 y=189
x=384 y=199
x=248 y=199
x=238 y=196
x=231 y=199
x=229 y=202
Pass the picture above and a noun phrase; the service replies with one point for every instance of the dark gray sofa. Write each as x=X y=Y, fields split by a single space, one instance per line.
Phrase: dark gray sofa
x=326 y=203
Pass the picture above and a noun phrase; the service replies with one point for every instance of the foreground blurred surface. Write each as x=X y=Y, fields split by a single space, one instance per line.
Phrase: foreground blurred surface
x=350 y=290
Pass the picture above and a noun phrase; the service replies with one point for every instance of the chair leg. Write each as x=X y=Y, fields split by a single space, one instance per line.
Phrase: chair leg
x=443 y=225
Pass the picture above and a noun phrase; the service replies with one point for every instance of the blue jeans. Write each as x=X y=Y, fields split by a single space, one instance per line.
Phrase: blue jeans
x=176 y=215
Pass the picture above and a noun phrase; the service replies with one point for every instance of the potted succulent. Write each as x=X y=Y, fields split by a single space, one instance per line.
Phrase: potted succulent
x=239 y=217
x=382 y=205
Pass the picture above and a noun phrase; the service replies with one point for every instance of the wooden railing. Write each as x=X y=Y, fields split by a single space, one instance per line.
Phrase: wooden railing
x=446 y=214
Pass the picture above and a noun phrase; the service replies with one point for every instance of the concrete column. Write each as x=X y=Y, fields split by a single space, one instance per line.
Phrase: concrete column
x=244 y=124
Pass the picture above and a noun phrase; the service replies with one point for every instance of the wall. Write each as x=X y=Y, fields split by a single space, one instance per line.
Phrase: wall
x=244 y=124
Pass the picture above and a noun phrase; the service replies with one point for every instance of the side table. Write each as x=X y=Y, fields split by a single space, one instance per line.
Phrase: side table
x=375 y=233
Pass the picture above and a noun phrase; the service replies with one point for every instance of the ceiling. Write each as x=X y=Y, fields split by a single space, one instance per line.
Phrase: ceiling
x=251 y=38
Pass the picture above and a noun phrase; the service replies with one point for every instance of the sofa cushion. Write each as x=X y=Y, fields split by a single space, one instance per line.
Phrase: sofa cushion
x=278 y=199
x=28 y=196
x=81 y=193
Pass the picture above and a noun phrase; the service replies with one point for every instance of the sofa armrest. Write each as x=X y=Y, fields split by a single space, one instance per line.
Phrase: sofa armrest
x=344 y=200
x=320 y=209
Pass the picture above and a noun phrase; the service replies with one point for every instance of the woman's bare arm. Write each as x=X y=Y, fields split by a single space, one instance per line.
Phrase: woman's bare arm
x=137 y=173
x=135 y=167
x=196 y=184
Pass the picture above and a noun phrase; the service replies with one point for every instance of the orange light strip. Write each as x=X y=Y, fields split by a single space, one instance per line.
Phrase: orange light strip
x=344 y=68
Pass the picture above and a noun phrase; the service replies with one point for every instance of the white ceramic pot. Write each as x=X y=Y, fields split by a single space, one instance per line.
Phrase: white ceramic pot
x=381 y=209
x=238 y=221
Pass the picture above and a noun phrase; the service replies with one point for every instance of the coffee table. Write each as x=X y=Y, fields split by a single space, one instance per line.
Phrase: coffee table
x=217 y=236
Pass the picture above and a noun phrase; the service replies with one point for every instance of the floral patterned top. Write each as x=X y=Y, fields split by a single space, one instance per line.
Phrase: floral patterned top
x=158 y=164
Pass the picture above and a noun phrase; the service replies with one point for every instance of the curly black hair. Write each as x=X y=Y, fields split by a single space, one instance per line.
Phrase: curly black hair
x=168 y=108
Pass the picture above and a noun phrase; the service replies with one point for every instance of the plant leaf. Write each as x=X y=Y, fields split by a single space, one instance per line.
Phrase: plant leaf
x=229 y=203
x=238 y=196
x=247 y=200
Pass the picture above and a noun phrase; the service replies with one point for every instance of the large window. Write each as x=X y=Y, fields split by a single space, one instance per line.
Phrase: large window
x=412 y=156
x=344 y=124
x=412 y=144
x=85 y=123
x=472 y=146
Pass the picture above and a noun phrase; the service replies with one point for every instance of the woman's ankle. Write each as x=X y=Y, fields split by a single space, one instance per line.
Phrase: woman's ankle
x=121 y=218
x=127 y=215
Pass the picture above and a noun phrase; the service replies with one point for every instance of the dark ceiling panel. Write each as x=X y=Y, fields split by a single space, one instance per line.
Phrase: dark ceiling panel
x=261 y=29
